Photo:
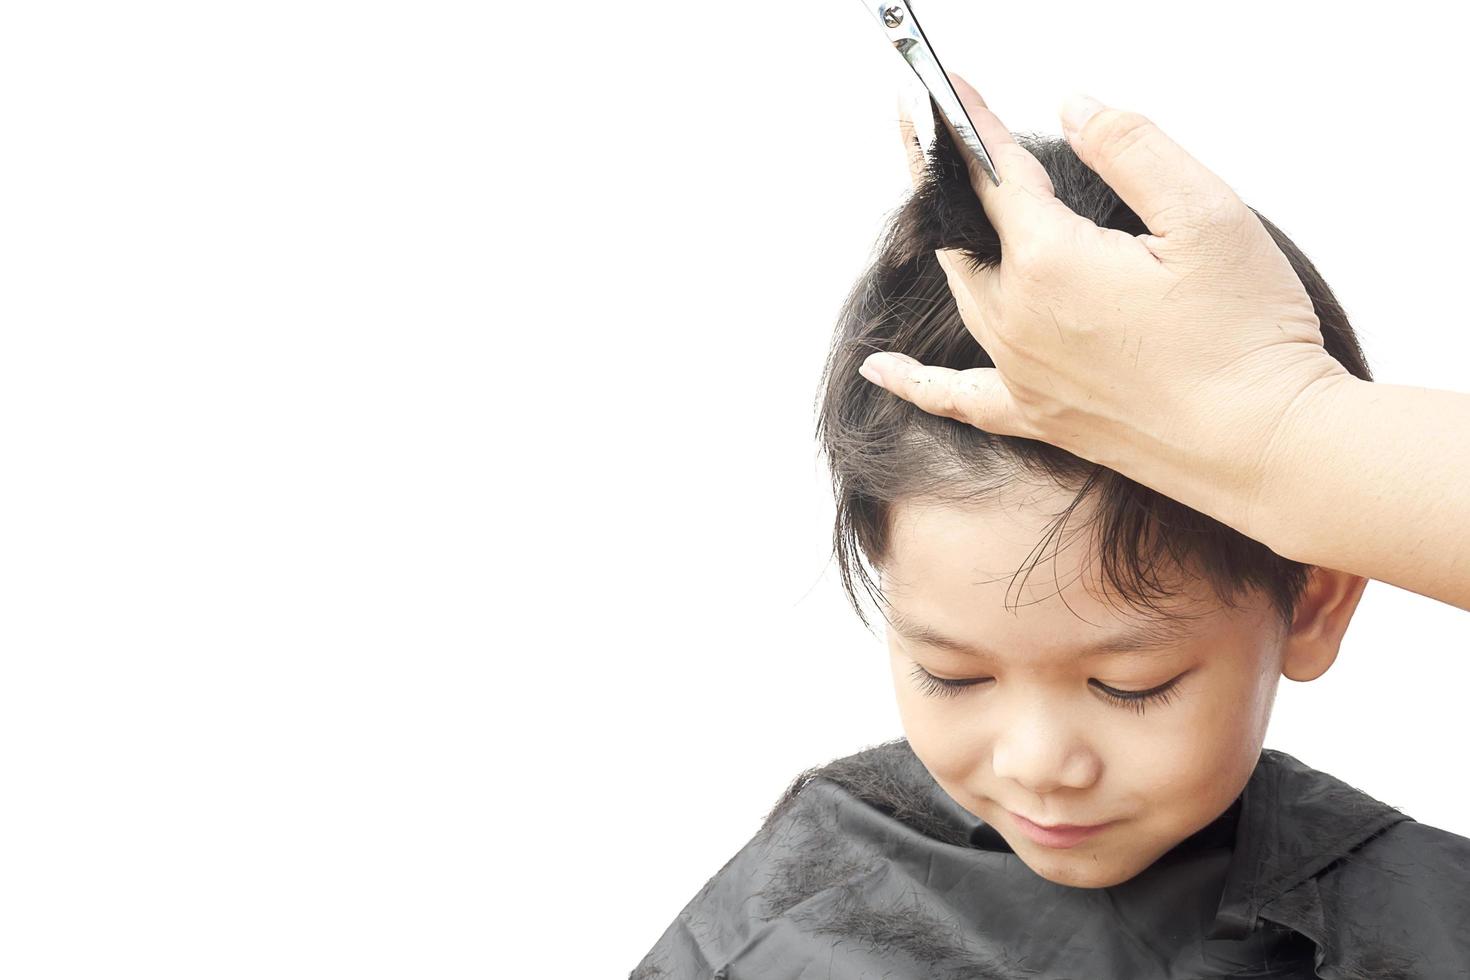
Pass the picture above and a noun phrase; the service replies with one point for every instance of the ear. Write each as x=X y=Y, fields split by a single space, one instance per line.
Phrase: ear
x=1327 y=605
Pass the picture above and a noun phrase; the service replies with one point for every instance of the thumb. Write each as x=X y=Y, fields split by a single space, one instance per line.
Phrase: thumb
x=1170 y=190
x=976 y=396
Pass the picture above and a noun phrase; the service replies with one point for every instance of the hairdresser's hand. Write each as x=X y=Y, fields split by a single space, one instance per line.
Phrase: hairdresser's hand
x=1174 y=357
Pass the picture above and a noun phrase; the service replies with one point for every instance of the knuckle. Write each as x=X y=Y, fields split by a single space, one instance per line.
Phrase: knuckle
x=969 y=396
x=1030 y=257
x=1219 y=226
x=947 y=400
x=928 y=390
x=1207 y=210
x=1122 y=131
x=1024 y=253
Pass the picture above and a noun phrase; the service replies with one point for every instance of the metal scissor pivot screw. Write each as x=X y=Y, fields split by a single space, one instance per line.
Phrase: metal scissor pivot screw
x=901 y=28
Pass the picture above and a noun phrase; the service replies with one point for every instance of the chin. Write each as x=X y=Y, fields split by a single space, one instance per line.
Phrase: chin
x=1081 y=871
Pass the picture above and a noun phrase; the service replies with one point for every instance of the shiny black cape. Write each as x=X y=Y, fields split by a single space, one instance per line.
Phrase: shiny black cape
x=866 y=868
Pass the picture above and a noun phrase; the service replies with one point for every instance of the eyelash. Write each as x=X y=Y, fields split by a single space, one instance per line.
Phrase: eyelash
x=1132 y=700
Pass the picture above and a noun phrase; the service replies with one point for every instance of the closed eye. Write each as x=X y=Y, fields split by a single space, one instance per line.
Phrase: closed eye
x=944 y=687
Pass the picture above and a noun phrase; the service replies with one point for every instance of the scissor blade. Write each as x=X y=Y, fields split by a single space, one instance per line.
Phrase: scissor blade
x=902 y=27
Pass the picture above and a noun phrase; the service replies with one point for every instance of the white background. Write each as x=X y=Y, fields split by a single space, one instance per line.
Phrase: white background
x=414 y=547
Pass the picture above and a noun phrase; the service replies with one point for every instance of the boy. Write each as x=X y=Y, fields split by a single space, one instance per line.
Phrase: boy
x=1082 y=790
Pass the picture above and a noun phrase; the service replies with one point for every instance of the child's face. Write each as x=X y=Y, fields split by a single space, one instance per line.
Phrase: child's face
x=1038 y=738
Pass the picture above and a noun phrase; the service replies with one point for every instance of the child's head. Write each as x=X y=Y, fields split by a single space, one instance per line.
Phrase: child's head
x=950 y=517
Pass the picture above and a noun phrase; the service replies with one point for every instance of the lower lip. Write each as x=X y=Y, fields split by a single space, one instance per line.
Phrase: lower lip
x=1058 y=837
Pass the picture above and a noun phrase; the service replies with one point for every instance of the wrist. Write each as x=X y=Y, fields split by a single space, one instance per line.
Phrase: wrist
x=1287 y=458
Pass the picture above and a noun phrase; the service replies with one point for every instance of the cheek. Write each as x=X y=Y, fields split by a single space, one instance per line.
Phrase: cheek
x=1197 y=762
x=1235 y=707
x=911 y=704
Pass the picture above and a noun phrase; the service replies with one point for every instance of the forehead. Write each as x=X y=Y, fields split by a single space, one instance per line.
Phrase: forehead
x=955 y=569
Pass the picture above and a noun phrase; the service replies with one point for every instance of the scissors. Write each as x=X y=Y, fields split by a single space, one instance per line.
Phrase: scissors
x=902 y=27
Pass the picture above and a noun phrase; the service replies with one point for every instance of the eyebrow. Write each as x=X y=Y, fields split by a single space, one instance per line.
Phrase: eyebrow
x=1156 y=638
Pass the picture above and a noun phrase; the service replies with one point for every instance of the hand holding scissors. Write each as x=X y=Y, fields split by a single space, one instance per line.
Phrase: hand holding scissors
x=1174 y=357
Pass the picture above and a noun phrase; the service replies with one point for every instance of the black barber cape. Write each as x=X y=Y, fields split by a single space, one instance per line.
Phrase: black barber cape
x=866 y=870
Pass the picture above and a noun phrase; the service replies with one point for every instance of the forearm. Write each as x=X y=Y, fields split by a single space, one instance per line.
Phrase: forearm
x=1374 y=479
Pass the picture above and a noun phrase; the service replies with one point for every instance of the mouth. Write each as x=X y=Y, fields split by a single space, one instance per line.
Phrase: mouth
x=1058 y=835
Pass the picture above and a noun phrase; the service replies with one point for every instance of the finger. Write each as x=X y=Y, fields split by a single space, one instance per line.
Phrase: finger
x=971 y=291
x=1169 y=189
x=1025 y=195
x=975 y=396
x=913 y=147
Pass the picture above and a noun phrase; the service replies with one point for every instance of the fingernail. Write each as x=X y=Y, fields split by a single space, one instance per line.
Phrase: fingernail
x=870 y=372
x=1076 y=110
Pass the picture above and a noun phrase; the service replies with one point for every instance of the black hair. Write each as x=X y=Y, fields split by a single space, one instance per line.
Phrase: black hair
x=881 y=449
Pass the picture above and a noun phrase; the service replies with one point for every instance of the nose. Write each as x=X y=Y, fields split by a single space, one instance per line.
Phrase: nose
x=1039 y=750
